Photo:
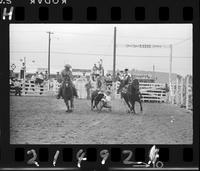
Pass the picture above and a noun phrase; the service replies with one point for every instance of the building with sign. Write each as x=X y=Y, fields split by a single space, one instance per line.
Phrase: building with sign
x=81 y=72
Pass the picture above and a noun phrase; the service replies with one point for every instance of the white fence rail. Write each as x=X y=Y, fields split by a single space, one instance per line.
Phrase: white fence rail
x=31 y=89
x=151 y=92
x=180 y=94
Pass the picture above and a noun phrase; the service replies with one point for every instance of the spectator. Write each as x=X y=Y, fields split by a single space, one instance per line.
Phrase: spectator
x=58 y=77
x=118 y=77
x=80 y=84
x=108 y=80
x=33 y=77
x=17 y=86
x=88 y=86
x=166 y=87
x=94 y=69
x=45 y=75
x=167 y=92
x=94 y=72
x=99 y=83
x=100 y=68
x=40 y=78
x=36 y=78
x=11 y=82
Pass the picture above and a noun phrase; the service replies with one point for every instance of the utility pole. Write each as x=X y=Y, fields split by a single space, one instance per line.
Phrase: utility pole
x=114 y=54
x=49 y=47
x=170 y=73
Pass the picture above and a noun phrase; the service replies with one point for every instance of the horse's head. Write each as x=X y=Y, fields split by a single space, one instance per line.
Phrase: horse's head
x=67 y=83
x=135 y=85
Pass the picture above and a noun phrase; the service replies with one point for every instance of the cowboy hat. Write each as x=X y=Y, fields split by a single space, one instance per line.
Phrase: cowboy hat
x=67 y=66
x=126 y=69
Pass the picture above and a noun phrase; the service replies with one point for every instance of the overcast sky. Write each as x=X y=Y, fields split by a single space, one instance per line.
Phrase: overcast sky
x=82 y=45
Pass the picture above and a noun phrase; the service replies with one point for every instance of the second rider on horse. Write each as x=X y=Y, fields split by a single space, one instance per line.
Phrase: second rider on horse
x=125 y=80
x=66 y=74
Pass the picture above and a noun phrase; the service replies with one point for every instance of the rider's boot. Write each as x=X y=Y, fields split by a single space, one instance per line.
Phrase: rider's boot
x=59 y=92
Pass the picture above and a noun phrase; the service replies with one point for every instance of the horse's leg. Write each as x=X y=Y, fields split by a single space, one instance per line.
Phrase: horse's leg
x=67 y=104
x=141 y=108
x=72 y=104
x=138 y=99
x=132 y=101
x=127 y=102
x=133 y=106
x=92 y=101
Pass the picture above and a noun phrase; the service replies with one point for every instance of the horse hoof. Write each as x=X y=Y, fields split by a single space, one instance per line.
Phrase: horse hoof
x=132 y=112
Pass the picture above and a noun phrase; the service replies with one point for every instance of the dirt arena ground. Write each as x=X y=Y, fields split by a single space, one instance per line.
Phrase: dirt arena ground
x=43 y=120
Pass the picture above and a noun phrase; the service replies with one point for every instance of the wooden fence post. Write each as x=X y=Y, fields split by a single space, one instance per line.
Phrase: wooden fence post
x=177 y=92
x=187 y=92
x=172 y=93
x=181 y=98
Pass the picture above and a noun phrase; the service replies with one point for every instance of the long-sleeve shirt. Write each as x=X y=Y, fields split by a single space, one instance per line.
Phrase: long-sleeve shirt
x=65 y=74
x=127 y=78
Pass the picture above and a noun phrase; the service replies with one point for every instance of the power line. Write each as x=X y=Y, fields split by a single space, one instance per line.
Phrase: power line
x=95 y=54
x=182 y=41
x=104 y=35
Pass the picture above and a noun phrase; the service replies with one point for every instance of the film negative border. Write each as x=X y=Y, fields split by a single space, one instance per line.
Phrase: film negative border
x=170 y=11
x=15 y=156
x=108 y=157
x=163 y=14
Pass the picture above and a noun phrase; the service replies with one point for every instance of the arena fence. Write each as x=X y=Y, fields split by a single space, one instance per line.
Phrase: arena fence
x=180 y=94
x=32 y=89
x=151 y=92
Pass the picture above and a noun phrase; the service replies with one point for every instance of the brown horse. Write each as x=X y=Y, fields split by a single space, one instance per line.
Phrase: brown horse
x=68 y=95
x=130 y=93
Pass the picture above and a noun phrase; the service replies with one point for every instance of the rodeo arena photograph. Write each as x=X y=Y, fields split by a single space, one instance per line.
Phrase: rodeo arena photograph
x=101 y=84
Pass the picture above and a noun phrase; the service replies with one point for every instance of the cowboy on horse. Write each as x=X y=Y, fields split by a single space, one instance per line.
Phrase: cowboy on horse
x=129 y=89
x=125 y=79
x=66 y=74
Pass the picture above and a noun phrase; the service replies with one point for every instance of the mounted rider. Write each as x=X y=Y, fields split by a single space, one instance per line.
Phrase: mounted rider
x=127 y=77
x=66 y=74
